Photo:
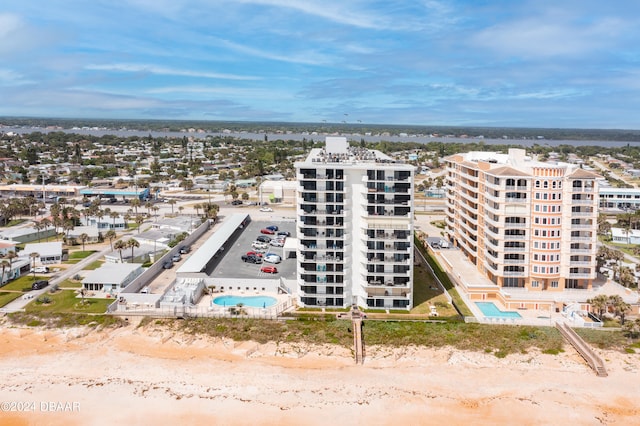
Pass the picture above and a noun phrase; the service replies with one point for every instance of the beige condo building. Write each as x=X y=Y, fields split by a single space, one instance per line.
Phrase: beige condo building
x=523 y=223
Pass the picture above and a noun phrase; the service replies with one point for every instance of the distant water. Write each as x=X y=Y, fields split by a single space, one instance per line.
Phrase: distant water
x=319 y=136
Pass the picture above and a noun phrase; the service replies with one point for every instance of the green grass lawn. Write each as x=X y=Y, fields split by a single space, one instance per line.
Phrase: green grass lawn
x=426 y=292
x=65 y=301
x=23 y=283
x=6 y=297
x=69 y=283
x=81 y=254
x=444 y=279
x=93 y=265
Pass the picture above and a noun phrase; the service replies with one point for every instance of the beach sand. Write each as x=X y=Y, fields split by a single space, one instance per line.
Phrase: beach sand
x=152 y=375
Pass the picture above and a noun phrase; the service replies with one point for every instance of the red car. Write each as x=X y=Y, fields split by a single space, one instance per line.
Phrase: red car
x=269 y=269
x=254 y=253
x=267 y=231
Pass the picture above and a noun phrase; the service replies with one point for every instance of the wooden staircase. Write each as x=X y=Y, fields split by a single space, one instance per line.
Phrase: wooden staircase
x=594 y=361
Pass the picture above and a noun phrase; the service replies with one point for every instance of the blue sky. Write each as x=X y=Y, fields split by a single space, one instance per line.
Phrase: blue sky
x=483 y=63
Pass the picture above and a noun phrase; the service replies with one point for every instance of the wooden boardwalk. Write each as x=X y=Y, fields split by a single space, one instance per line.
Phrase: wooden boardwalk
x=594 y=361
x=358 y=341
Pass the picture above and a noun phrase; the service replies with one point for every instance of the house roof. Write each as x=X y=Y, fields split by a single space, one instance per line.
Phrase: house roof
x=583 y=174
x=53 y=248
x=111 y=273
x=506 y=171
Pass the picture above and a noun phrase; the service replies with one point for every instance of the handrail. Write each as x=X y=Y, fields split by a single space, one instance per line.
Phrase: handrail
x=594 y=361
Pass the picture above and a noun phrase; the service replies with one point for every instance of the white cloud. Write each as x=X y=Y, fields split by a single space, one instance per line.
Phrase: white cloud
x=154 y=69
x=251 y=93
x=335 y=12
x=546 y=37
x=308 y=58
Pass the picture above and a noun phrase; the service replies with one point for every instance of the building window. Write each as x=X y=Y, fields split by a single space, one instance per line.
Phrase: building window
x=554 y=284
x=535 y=283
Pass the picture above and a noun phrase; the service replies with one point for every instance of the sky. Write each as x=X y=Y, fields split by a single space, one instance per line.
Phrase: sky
x=551 y=64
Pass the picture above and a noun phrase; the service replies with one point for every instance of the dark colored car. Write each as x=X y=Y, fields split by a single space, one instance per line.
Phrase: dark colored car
x=267 y=231
x=251 y=259
x=167 y=264
x=269 y=269
x=284 y=233
x=263 y=239
x=185 y=249
x=272 y=228
x=40 y=284
x=236 y=202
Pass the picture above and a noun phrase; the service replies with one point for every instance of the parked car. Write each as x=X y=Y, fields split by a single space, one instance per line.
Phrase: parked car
x=266 y=209
x=267 y=231
x=176 y=257
x=185 y=249
x=284 y=234
x=167 y=264
x=272 y=258
x=40 y=284
x=269 y=269
x=251 y=259
x=236 y=202
x=277 y=243
x=272 y=228
x=263 y=239
x=259 y=245
x=41 y=269
x=254 y=253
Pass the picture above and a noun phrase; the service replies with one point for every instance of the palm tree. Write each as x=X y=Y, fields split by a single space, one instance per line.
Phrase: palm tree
x=38 y=227
x=83 y=237
x=599 y=304
x=11 y=255
x=120 y=245
x=114 y=216
x=135 y=203
x=148 y=206
x=4 y=265
x=197 y=207
x=180 y=209
x=111 y=235
x=33 y=257
x=82 y=293
x=155 y=210
x=620 y=307
x=133 y=243
x=172 y=203
x=139 y=221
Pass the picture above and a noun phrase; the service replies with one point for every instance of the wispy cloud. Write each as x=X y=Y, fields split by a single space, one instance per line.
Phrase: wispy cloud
x=308 y=57
x=337 y=12
x=544 y=38
x=155 y=69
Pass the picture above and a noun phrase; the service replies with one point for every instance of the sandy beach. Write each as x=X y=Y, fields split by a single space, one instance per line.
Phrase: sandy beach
x=154 y=376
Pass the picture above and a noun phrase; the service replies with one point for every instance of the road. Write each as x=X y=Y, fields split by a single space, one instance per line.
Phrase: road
x=72 y=270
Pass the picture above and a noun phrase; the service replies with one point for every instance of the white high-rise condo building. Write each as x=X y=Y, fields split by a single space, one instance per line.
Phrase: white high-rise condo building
x=355 y=228
x=522 y=222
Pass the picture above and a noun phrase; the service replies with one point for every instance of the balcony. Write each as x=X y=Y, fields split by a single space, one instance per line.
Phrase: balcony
x=582 y=202
x=514 y=273
x=578 y=275
x=581 y=263
x=514 y=261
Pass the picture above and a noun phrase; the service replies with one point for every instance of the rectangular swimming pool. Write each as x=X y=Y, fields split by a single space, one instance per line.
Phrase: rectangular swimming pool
x=490 y=310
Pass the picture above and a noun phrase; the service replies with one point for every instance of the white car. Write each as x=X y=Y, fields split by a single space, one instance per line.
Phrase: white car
x=266 y=209
x=259 y=245
x=277 y=243
x=272 y=258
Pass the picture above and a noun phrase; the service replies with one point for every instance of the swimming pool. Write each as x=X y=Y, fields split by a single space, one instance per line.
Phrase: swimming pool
x=252 y=301
x=490 y=310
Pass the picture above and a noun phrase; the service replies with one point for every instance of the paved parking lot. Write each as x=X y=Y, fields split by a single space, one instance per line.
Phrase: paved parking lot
x=232 y=266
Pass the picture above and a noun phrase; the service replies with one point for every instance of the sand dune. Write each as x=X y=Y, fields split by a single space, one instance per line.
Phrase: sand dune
x=144 y=376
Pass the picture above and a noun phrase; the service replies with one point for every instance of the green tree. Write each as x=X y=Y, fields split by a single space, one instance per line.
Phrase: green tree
x=133 y=243
x=120 y=245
